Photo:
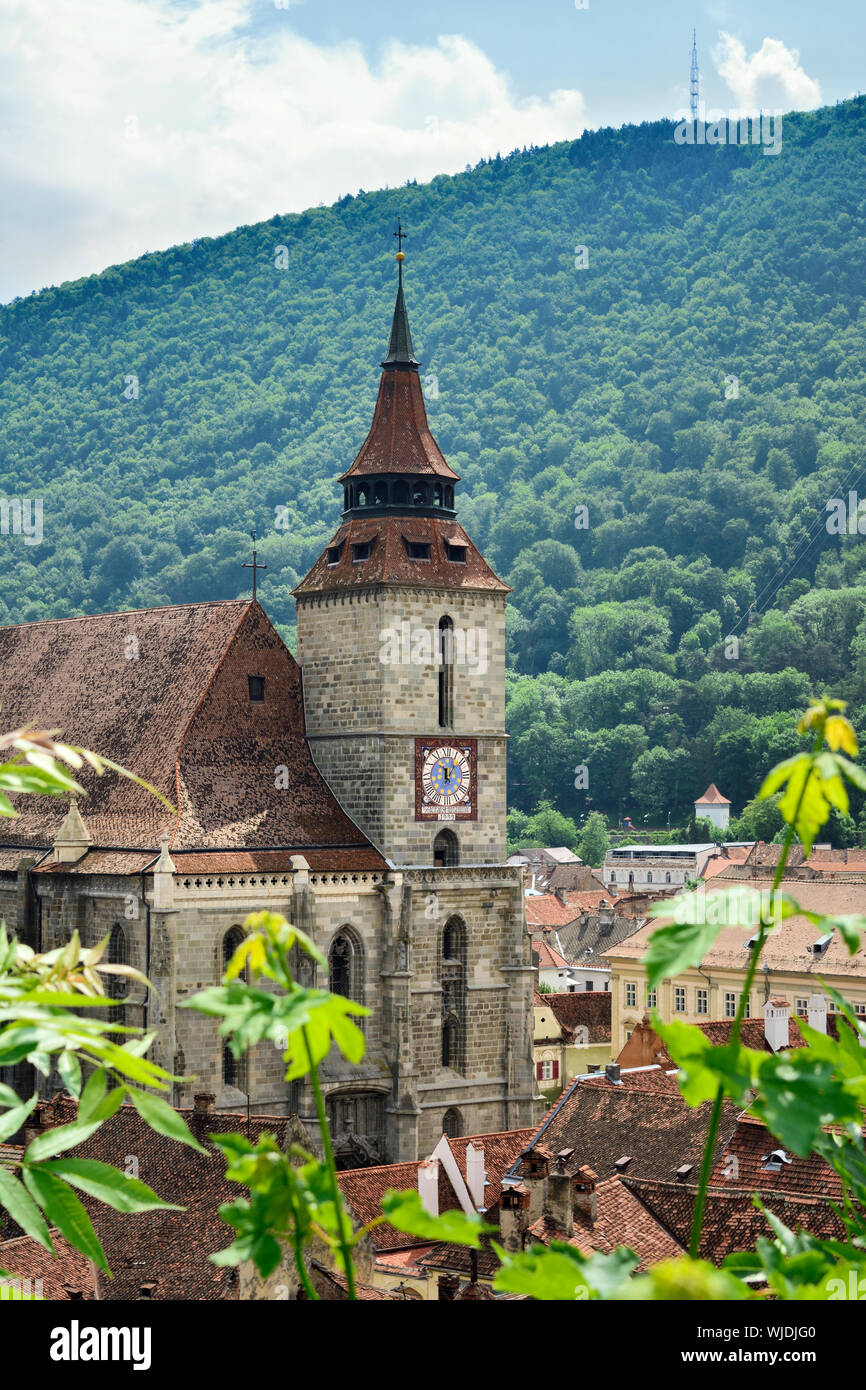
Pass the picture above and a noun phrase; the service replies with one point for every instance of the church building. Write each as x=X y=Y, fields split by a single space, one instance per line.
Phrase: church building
x=360 y=791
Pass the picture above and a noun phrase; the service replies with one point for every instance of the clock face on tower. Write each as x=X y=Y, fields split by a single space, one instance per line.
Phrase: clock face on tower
x=446 y=781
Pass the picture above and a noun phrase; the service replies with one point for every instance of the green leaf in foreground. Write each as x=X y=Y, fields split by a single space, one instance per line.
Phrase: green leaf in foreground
x=109 y=1185
x=22 y=1208
x=406 y=1212
x=63 y=1210
x=561 y=1273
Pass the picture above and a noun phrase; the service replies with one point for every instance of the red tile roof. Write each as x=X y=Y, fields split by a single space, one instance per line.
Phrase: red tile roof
x=65 y=1274
x=389 y=561
x=169 y=1249
x=589 y=1009
x=712 y=797
x=548 y=958
x=178 y=714
x=742 y=1164
x=621 y=1219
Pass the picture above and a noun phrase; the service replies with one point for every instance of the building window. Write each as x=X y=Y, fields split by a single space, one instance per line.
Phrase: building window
x=679 y=999
x=860 y=1006
x=702 y=1001
x=548 y=1070
x=257 y=688
x=446 y=673
x=346 y=966
x=418 y=550
x=651 y=999
x=234 y=1068
x=452 y=1124
x=455 y=553
x=589 y=985
x=380 y=493
x=446 y=850
x=361 y=551
x=116 y=987
x=730 y=1004
x=668 y=876
x=630 y=994
x=452 y=978
x=613 y=875
x=748 y=1012
x=649 y=877
x=334 y=553
x=801 y=1006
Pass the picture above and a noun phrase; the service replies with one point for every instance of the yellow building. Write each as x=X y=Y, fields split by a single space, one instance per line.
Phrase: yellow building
x=793 y=958
x=571 y=1034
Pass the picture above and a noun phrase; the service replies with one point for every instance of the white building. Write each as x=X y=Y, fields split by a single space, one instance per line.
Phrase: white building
x=654 y=868
x=713 y=806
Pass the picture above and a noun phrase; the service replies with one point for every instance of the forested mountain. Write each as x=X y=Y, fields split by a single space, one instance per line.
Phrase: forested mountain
x=697 y=388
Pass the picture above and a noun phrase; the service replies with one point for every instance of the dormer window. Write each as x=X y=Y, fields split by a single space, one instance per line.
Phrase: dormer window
x=455 y=551
x=257 y=688
x=334 y=553
x=418 y=550
x=361 y=550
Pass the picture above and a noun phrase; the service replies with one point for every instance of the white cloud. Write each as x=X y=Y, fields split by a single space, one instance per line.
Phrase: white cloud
x=133 y=127
x=770 y=77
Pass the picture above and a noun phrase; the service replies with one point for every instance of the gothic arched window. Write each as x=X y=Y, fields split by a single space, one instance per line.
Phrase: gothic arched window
x=446 y=672
x=419 y=494
x=363 y=496
x=346 y=966
x=452 y=1123
x=235 y=1071
x=380 y=494
x=452 y=977
x=446 y=850
x=116 y=985
x=400 y=493
x=437 y=494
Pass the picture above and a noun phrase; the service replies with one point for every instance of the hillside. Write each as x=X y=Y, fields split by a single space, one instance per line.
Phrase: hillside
x=163 y=408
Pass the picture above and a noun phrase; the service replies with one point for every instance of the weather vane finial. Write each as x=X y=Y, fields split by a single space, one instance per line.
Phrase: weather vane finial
x=401 y=237
x=255 y=566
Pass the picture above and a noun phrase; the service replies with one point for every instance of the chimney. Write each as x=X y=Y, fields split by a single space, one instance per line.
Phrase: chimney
x=611 y=1071
x=558 y=1200
x=583 y=1193
x=776 y=1014
x=204 y=1103
x=514 y=1215
x=476 y=1176
x=817 y=1013
x=428 y=1185
x=448 y=1286
x=560 y=897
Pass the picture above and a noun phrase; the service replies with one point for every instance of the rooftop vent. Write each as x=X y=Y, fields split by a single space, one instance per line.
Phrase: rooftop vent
x=821 y=944
x=773 y=1161
x=622 y=1163
x=611 y=1071
x=683 y=1171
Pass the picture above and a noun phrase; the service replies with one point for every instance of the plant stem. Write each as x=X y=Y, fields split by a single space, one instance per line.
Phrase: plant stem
x=716 y=1116
x=331 y=1166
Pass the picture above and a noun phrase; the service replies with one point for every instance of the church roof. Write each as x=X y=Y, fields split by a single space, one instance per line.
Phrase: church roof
x=400 y=439
x=164 y=692
x=389 y=561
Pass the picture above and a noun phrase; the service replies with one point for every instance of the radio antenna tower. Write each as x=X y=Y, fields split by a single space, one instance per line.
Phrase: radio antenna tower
x=694 y=79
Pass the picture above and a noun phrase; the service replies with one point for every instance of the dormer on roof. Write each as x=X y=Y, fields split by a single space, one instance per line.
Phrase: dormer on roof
x=73 y=839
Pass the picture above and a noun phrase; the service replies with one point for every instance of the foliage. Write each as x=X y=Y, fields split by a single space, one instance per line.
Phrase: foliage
x=555 y=388
x=594 y=843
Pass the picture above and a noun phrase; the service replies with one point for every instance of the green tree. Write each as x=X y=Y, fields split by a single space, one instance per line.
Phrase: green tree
x=594 y=843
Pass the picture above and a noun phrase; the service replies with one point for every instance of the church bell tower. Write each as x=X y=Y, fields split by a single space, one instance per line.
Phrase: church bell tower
x=401 y=641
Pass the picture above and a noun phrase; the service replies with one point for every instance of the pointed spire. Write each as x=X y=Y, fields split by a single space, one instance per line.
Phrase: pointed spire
x=73 y=839
x=400 y=350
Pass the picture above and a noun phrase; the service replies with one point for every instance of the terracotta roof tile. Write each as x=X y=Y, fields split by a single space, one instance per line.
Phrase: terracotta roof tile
x=400 y=439
x=65 y=1274
x=589 y=1009
x=712 y=797
x=621 y=1219
x=389 y=562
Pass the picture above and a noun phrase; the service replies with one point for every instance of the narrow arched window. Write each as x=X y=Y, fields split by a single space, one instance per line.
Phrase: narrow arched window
x=346 y=502
x=649 y=877
x=446 y=673
x=346 y=966
x=452 y=977
x=362 y=496
x=235 y=1071
x=116 y=987
x=449 y=497
x=667 y=877
x=437 y=494
x=419 y=495
x=452 y=1123
x=400 y=493
x=381 y=494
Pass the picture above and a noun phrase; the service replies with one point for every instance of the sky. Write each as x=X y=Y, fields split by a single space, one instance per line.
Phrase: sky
x=131 y=125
